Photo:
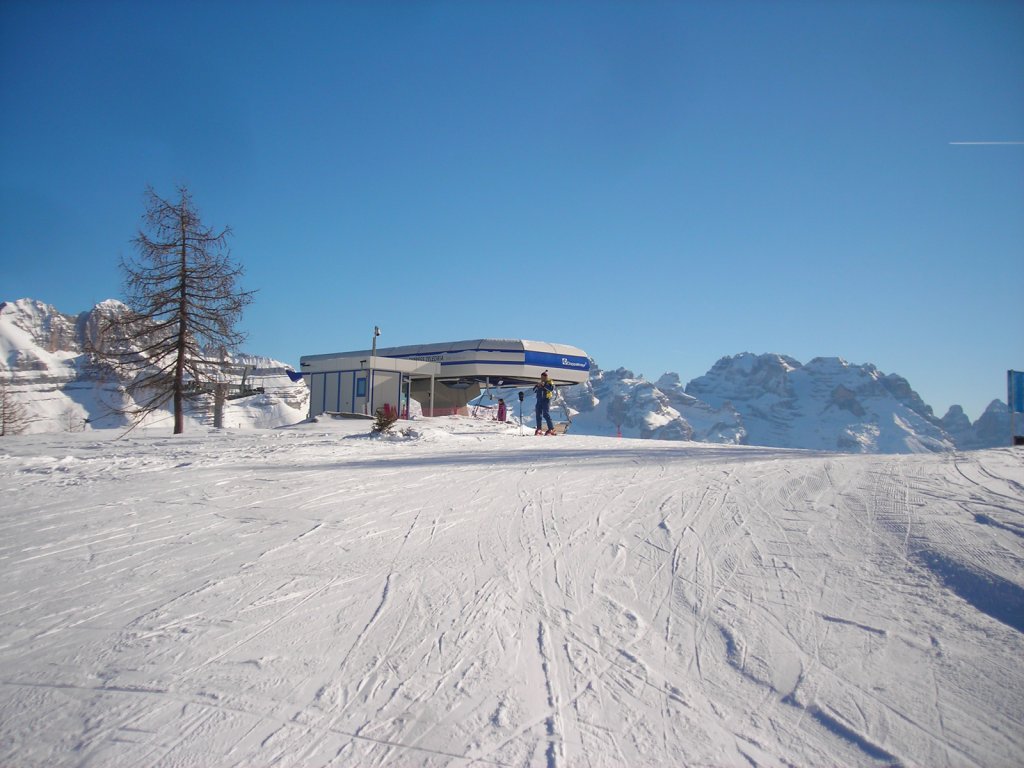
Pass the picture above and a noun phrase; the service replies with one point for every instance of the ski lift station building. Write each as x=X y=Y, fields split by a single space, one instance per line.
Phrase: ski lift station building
x=443 y=377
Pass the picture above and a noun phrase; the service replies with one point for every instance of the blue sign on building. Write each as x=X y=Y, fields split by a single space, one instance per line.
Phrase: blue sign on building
x=552 y=360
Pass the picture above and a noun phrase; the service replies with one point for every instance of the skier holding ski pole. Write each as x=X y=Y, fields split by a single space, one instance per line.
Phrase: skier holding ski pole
x=544 y=390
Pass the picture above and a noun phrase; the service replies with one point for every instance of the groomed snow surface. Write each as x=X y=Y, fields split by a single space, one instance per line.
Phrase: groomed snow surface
x=464 y=595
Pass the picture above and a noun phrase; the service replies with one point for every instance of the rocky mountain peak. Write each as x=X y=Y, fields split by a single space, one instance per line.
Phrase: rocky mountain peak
x=48 y=328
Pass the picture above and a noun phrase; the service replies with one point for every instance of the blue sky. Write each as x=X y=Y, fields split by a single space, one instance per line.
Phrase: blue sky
x=659 y=183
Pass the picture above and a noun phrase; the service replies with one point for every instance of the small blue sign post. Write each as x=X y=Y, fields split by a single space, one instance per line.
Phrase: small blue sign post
x=1015 y=399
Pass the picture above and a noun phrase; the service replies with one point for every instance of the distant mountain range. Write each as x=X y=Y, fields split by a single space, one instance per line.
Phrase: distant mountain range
x=767 y=400
x=773 y=400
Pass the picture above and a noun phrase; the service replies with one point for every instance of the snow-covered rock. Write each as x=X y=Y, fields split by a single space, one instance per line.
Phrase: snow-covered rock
x=827 y=404
x=775 y=400
x=709 y=424
x=47 y=368
x=37 y=343
x=958 y=426
x=620 y=403
x=993 y=427
x=990 y=430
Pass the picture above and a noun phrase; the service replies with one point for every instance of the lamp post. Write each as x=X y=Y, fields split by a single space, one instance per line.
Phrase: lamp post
x=369 y=376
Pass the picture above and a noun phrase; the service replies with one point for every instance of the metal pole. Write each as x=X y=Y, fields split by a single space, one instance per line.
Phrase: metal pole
x=1013 y=406
x=368 y=408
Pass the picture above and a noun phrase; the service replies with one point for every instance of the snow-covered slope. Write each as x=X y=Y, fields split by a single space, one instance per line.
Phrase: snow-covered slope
x=44 y=363
x=989 y=431
x=466 y=596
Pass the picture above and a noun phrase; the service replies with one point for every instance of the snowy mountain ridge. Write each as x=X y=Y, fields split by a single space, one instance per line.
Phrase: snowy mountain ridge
x=746 y=399
x=775 y=401
x=45 y=365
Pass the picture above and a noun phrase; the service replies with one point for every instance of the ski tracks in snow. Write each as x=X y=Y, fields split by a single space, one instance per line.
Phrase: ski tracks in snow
x=297 y=599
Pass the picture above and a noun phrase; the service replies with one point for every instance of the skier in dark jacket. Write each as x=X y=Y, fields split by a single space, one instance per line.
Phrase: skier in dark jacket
x=544 y=390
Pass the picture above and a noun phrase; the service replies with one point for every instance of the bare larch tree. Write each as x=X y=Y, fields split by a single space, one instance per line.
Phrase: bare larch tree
x=183 y=302
x=13 y=418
